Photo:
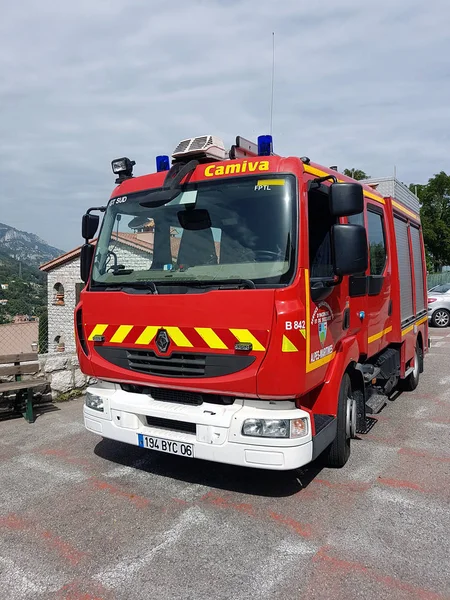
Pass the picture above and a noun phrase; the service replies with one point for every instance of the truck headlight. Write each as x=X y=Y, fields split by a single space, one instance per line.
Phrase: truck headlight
x=275 y=428
x=95 y=402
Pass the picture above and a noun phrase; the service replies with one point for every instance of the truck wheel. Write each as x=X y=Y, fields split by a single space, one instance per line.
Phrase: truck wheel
x=337 y=454
x=412 y=381
x=441 y=318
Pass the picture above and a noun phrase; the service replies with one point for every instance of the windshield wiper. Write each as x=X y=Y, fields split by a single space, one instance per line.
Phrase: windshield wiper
x=134 y=287
x=221 y=284
x=131 y=287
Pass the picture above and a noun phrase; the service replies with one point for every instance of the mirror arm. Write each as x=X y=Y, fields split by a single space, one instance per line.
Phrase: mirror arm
x=316 y=182
x=338 y=281
x=318 y=282
x=99 y=208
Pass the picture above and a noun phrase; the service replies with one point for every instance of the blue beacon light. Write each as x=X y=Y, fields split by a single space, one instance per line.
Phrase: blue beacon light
x=162 y=163
x=265 y=145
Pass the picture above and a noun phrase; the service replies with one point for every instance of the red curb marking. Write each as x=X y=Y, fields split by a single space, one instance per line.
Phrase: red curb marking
x=14 y=522
x=67 y=551
x=423 y=454
x=398 y=483
x=346 y=566
x=224 y=503
x=304 y=530
x=74 y=591
x=64 y=455
x=138 y=501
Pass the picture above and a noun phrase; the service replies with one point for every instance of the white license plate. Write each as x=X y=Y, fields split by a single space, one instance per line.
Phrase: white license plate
x=168 y=446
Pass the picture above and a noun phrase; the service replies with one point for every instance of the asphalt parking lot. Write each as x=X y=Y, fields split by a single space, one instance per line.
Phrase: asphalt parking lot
x=87 y=519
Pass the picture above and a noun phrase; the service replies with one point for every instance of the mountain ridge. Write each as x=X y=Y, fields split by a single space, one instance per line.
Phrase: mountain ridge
x=26 y=247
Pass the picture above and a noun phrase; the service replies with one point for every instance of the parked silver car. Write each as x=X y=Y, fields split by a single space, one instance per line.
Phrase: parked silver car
x=439 y=305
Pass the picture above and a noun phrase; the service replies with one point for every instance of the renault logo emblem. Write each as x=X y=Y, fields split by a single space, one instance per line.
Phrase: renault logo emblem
x=162 y=341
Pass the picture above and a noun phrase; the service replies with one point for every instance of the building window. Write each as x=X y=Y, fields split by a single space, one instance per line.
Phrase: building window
x=58 y=294
x=59 y=344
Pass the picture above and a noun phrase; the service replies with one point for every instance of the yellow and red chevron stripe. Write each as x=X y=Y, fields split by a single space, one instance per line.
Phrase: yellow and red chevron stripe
x=181 y=337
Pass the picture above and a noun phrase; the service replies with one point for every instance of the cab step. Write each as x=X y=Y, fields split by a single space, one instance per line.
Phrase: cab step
x=375 y=403
x=366 y=426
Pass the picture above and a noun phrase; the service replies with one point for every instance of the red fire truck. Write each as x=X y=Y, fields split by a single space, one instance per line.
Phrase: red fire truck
x=247 y=308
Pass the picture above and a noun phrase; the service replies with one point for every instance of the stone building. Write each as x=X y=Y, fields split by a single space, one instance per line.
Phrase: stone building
x=64 y=284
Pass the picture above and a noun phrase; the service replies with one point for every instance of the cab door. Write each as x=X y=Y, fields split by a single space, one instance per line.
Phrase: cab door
x=326 y=303
x=379 y=305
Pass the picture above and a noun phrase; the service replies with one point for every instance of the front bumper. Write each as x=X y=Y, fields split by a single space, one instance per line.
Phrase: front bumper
x=218 y=436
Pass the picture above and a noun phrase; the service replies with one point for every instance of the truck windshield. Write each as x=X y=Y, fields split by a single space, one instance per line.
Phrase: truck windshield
x=238 y=229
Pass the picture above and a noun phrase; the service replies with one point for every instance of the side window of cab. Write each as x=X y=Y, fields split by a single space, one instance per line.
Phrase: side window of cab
x=377 y=241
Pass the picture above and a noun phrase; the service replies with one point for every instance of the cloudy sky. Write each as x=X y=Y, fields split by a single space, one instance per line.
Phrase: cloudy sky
x=358 y=83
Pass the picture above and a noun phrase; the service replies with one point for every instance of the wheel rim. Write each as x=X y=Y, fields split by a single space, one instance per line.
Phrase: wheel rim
x=441 y=318
x=350 y=421
x=416 y=365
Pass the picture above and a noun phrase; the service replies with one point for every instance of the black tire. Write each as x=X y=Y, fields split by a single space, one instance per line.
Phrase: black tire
x=338 y=453
x=412 y=381
x=440 y=318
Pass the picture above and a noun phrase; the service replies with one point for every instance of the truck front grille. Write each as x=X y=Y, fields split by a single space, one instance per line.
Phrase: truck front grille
x=177 y=365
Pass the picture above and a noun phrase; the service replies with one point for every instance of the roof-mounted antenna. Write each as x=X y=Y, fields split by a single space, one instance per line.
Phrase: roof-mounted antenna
x=273 y=79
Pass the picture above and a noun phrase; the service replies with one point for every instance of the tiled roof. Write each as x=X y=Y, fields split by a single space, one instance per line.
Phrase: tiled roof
x=130 y=239
x=139 y=241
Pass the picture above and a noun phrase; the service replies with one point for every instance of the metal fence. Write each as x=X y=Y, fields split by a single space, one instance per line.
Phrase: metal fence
x=437 y=279
x=23 y=316
x=24 y=335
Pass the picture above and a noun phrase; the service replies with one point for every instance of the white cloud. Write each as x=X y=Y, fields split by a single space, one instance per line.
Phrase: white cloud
x=363 y=84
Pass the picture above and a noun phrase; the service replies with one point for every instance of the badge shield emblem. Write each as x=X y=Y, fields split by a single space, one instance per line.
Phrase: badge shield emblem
x=323 y=332
x=162 y=341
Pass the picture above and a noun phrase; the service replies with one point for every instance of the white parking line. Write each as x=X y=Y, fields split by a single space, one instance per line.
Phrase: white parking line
x=66 y=472
x=127 y=568
x=279 y=565
x=19 y=583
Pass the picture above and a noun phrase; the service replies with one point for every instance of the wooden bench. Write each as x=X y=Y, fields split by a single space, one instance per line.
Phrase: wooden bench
x=18 y=365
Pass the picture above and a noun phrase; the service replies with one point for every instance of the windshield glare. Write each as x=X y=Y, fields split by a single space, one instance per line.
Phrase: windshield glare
x=241 y=228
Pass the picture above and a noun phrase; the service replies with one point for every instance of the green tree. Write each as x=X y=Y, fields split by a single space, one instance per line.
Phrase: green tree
x=435 y=215
x=356 y=174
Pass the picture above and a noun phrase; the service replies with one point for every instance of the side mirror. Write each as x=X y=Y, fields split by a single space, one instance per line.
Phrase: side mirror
x=349 y=248
x=89 y=225
x=87 y=254
x=346 y=199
